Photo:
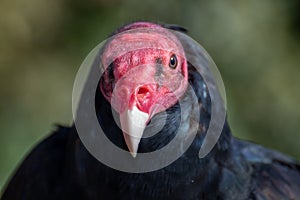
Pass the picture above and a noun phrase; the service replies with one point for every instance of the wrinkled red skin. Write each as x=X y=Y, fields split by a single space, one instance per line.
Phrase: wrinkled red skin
x=149 y=84
x=137 y=25
x=143 y=77
x=140 y=57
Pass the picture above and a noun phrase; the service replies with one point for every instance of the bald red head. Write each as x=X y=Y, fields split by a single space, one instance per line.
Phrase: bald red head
x=146 y=72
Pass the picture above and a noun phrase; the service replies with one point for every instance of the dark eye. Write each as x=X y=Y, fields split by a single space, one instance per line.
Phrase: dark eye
x=173 y=62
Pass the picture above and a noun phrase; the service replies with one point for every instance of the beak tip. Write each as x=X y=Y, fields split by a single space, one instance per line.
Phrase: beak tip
x=133 y=123
x=133 y=154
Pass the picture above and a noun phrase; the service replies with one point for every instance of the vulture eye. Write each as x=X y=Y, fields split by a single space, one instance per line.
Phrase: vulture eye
x=173 y=62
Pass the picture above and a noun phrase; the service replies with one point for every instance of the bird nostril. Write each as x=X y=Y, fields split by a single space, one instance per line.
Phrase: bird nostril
x=143 y=94
x=144 y=98
x=142 y=91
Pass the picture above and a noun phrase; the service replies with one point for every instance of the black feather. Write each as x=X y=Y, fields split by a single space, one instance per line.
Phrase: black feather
x=175 y=27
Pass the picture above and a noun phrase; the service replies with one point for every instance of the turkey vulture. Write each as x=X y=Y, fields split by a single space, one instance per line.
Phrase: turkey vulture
x=148 y=80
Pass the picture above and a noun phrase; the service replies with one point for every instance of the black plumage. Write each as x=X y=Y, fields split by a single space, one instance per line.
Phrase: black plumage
x=60 y=167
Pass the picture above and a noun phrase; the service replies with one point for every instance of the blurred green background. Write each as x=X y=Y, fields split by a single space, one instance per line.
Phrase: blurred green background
x=255 y=44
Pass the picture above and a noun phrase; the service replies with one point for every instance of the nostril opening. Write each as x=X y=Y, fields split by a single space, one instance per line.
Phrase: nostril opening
x=144 y=98
x=143 y=90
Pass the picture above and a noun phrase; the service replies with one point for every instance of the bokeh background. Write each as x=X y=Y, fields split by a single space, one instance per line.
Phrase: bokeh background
x=255 y=44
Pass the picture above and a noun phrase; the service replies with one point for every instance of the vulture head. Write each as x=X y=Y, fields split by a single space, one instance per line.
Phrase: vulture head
x=146 y=72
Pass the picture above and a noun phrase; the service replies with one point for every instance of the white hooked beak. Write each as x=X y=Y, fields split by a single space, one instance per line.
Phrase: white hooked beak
x=133 y=123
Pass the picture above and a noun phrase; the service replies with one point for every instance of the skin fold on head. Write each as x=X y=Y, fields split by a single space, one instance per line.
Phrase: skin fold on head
x=145 y=73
